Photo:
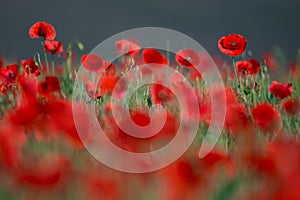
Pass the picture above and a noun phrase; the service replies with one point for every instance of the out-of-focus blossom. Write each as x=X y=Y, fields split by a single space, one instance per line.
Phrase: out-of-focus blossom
x=291 y=106
x=237 y=120
x=127 y=47
x=187 y=58
x=280 y=90
x=266 y=117
x=91 y=62
x=250 y=66
x=270 y=61
x=160 y=94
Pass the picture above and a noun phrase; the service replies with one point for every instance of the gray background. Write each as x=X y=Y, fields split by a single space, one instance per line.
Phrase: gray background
x=264 y=23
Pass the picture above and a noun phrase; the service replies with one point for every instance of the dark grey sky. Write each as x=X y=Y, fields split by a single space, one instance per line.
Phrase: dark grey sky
x=263 y=23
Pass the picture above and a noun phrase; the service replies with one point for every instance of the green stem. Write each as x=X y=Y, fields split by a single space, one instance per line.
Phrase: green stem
x=235 y=72
x=53 y=65
x=45 y=55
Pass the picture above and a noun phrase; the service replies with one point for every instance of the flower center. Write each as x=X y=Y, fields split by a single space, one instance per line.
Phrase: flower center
x=233 y=43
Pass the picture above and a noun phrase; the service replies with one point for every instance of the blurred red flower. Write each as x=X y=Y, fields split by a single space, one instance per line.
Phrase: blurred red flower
x=54 y=47
x=9 y=73
x=232 y=45
x=187 y=58
x=217 y=158
x=107 y=83
x=127 y=47
x=160 y=94
x=266 y=117
x=30 y=67
x=194 y=74
x=91 y=62
x=294 y=69
x=250 y=66
x=237 y=120
x=42 y=29
x=48 y=172
x=141 y=117
x=48 y=86
x=154 y=56
x=280 y=90
x=64 y=122
x=291 y=106
x=270 y=61
x=100 y=185
x=12 y=140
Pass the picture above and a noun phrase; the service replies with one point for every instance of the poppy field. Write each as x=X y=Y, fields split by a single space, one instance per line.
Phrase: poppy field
x=42 y=156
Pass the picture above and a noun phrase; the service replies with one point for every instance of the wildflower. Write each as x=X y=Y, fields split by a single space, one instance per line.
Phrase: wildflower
x=280 y=90
x=43 y=30
x=91 y=62
x=54 y=47
x=127 y=47
x=9 y=73
x=47 y=87
x=232 y=45
x=30 y=67
x=187 y=58
x=154 y=56
x=250 y=66
x=266 y=117
x=291 y=106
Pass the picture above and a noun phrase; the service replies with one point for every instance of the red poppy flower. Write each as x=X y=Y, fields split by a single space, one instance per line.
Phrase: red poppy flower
x=294 y=69
x=217 y=158
x=266 y=117
x=184 y=180
x=280 y=90
x=9 y=73
x=127 y=47
x=237 y=120
x=186 y=172
x=107 y=83
x=140 y=117
x=31 y=109
x=64 y=122
x=42 y=29
x=270 y=61
x=160 y=93
x=187 y=58
x=154 y=56
x=291 y=106
x=195 y=74
x=54 y=47
x=49 y=172
x=91 y=62
x=232 y=45
x=250 y=66
x=30 y=67
x=50 y=85
x=99 y=185
x=12 y=140
x=110 y=68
